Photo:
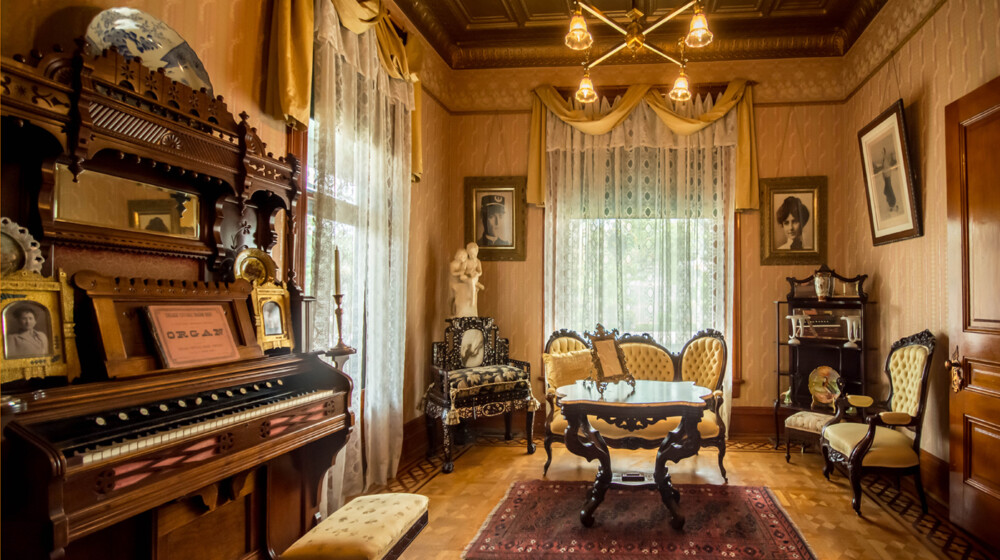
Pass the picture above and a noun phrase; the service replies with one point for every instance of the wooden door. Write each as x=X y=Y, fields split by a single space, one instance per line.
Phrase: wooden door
x=972 y=136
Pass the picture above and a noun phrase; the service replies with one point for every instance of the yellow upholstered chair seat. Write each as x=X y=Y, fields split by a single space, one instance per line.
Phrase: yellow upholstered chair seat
x=708 y=427
x=890 y=449
x=365 y=529
x=808 y=421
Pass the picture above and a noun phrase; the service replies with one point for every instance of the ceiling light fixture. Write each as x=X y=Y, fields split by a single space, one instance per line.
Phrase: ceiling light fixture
x=579 y=38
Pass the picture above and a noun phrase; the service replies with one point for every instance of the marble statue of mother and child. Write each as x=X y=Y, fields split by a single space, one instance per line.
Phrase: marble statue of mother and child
x=465 y=271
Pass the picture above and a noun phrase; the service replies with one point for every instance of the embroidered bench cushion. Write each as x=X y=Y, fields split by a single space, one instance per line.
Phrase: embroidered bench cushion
x=808 y=421
x=366 y=528
x=469 y=382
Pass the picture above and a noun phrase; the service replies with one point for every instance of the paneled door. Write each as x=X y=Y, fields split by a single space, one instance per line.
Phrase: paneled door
x=972 y=136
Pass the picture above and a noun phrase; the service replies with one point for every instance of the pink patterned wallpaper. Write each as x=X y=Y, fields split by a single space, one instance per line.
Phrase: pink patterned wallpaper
x=948 y=48
x=226 y=34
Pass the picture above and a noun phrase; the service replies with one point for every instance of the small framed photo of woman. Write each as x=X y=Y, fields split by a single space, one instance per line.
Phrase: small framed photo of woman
x=793 y=220
x=893 y=207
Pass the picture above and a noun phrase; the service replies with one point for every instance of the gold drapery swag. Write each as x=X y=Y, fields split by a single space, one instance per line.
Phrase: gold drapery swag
x=289 y=79
x=738 y=94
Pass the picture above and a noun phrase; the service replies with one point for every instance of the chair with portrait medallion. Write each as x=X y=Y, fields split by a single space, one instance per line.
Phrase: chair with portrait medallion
x=882 y=447
x=475 y=377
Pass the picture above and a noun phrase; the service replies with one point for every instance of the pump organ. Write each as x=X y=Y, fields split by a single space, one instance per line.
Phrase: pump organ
x=222 y=460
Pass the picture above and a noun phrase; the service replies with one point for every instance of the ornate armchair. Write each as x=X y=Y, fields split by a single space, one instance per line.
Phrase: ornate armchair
x=473 y=377
x=702 y=360
x=880 y=447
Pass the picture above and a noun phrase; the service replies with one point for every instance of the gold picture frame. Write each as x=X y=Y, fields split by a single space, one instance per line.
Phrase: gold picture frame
x=609 y=359
x=270 y=301
x=38 y=333
x=793 y=220
x=495 y=217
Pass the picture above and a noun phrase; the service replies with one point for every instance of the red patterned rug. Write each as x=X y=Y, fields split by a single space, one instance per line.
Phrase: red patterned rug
x=541 y=519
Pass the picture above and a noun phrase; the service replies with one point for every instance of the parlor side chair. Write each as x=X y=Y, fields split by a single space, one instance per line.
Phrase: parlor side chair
x=475 y=377
x=880 y=446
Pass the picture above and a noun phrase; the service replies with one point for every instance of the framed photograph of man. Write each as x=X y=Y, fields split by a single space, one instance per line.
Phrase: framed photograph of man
x=890 y=182
x=495 y=217
x=793 y=220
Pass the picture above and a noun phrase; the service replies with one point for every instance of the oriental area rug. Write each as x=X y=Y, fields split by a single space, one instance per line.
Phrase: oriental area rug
x=541 y=519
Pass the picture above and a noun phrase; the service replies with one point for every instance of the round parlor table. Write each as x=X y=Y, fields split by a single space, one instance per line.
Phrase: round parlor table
x=632 y=408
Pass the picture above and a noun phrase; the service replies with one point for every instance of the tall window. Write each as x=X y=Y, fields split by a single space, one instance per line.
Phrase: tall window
x=637 y=228
x=359 y=180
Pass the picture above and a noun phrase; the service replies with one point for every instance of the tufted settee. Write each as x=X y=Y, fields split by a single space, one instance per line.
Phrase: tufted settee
x=567 y=359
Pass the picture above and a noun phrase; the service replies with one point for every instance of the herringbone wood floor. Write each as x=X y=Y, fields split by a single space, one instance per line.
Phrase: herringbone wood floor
x=892 y=527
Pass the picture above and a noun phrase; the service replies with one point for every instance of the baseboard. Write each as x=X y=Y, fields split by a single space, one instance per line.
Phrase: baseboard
x=756 y=421
x=934 y=475
x=415 y=433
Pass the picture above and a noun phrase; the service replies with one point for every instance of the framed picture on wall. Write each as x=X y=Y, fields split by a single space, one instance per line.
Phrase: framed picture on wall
x=495 y=217
x=793 y=220
x=890 y=183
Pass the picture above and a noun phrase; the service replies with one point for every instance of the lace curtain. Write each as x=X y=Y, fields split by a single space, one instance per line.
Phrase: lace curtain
x=360 y=173
x=638 y=226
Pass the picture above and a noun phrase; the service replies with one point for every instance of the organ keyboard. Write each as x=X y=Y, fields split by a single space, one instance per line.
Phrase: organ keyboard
x=103 y=452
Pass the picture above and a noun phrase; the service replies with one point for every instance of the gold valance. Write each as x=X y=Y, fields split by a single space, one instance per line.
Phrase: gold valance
x=738 y=94
x=289 y=80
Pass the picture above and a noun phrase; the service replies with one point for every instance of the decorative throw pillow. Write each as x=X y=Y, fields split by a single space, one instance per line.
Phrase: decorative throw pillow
x=565 y=368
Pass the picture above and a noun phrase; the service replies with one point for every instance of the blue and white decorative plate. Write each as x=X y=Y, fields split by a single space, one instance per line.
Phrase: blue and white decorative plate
x=138 y=34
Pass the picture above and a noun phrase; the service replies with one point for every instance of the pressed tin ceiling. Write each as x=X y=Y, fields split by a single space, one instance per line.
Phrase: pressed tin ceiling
x=516 y=33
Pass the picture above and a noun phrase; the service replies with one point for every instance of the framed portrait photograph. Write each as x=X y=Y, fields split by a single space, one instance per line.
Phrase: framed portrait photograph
x=608 y=358
x=793 y=220
x=269 y=298
x=38 y=335
x=890 y=181
x=495 y=217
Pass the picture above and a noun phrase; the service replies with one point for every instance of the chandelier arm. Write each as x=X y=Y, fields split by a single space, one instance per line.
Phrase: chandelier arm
x=604 y=18
x=663 y=54
x=668 y=17
x=605 y=57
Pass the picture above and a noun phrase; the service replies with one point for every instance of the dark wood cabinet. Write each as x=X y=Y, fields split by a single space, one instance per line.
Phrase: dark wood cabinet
x=815 y=333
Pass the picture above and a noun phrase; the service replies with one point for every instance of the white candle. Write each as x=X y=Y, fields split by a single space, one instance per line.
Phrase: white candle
x=336 y=268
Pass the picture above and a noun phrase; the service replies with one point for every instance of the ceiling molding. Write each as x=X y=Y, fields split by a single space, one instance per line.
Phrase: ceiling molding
x=756 y=30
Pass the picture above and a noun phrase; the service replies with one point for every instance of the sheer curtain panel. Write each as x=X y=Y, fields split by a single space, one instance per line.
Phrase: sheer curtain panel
x=360 y=155
x=638 y=224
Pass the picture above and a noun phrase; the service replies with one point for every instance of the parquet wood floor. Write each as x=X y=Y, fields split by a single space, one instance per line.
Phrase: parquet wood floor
x=461 y=501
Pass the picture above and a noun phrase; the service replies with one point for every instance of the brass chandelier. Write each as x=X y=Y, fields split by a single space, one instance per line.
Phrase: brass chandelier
x=579 y=38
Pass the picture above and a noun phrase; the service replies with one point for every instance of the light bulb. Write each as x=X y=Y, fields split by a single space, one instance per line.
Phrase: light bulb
x=681 y=91
x=699 y=35
x=586 y=93
x=578 y=37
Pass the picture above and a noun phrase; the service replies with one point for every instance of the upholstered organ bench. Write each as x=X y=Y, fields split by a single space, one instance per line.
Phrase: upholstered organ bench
x=367 y=528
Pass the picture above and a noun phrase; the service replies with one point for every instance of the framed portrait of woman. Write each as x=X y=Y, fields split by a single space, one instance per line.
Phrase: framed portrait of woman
x=793 y=220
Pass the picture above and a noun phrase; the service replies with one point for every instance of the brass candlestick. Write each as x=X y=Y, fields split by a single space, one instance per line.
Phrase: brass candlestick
x=340 y=329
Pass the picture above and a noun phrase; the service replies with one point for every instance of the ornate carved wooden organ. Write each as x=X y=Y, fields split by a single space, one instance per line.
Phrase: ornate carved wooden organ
x=122 y=174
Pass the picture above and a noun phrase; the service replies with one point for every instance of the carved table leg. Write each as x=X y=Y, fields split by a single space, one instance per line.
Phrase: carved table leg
x=530 y=429
x=590 y=445
x=683 y=442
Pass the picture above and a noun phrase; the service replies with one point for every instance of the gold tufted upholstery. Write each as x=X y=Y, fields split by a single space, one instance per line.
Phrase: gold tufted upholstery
x=565 y=368
x=365 y=529
x=648 y=362
x=565 y=344
x=906 y=368
x=703 y=361
x=891 y=448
